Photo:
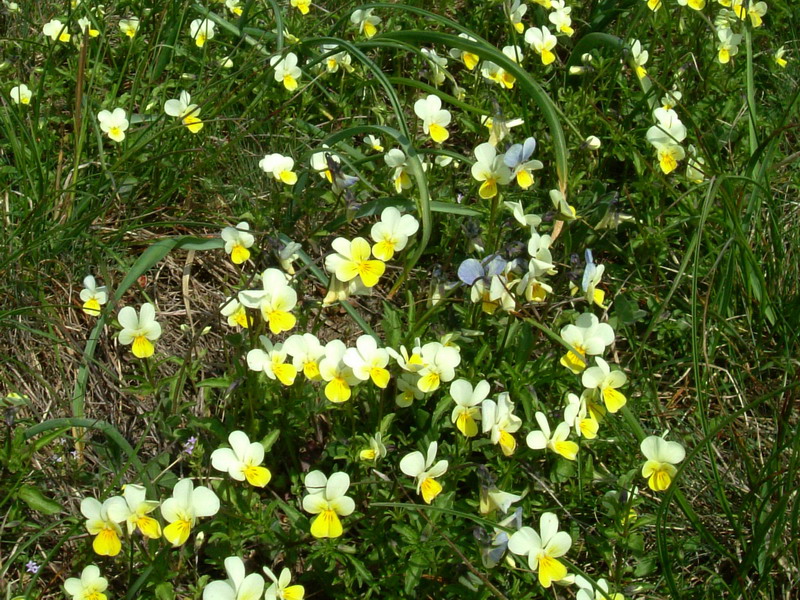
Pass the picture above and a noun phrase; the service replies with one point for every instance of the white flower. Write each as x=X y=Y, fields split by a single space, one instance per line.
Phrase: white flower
x=499 y=421
x=286 y=70
x=339 y=376
x=275 y=301
x=639 y=57
x=132 y=508
x=396 y=159
x=202 y=30
x=187 y=504
x=425 y=471
x=373 y=142
x=376 y=448
x=56 y=31
x=587 y=591
x=543 y=548
x=89 y=587
x=435 y=119
x=555 y=441
x=542 y=42
x=515 y=14
x=586 y=337
x=560 y=17
x=235 y=313
x=306 y=352
x=242 y=460
x=101 y=525
x=237 y=586
x=437 y=64
x=113 y=123
x=326 y=498
x=467 y=410
x=187 y=112
x=439 y=365
x=520 y=216
x=517 y=158
x=272 y=361
x=129 y=26
x=279 y=167
x=280 y=588
x=141 y=330
x=391 y=233
x=592 y=142
x=469 y=59
x=407 y=390
x=662 y=456
x=238 y=240
x=21 y=94
x=489 y=169
x=366 y=21
x=577 y=415
x=92 y=296
x=368 y=361
x=606 y=382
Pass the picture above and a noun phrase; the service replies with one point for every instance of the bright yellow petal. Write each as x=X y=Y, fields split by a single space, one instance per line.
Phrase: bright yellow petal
x=613 y=399
x=470 y=60
x=327 y=524
x=257 y=476
x=193 y=124
x=383 y=250
x=574 y=362
x=178 y=532
x=289 y=177
x=547 y=57
x=568 y=450
x=285 y=373
x=142 y=347
x=368 y=454
x=311 y=370
x=289 y=82
x=379 y=376
x=488 y=189
x=550 y=570
x=91 y=307
x=429 y=382
x=430 y=488
x=280 y=320
x=149 y=527
x=371 y=271
x=467 y=425
x=107 y=543
x=239 y=254
x=337 y=390
x=524 y=179
x=438 y=133
x=370 y=29
x=294 y=592
x=507 y=443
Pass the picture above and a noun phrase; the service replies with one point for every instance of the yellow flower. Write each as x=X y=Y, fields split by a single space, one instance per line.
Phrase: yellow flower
x=92 y=296
x=188 y=503
x=141 y=330
x=242 y=461
x=339 y=377
x=326 y=499
x=202 y=30
x=302 y=5
x=56 y=31
x=352 y=259
x=183 y=108
x=102 y=526
x=129 y=26
x=425 y=471
x=662 y=456
x=275 y=301
x=132 y=508
x=272 y=361
x=543 y=548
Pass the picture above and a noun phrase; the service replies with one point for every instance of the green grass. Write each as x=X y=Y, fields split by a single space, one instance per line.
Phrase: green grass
x=701 y=283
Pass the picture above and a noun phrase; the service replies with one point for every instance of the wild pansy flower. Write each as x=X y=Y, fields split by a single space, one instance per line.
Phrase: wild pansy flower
x=489 y=169
x=235 y=313
x=515 y=14
x=306 y=352
x=481 y=276
x=693 y=4
x=728 y=45
x=467 y=411
x=367 y=22
x=272 y=361
x=238 y=240
x=238 y=586
x=666 y=138
x=407 y=390
x=183 y=109
x=242 y=461
x=56 y=31
x=695 y=166
x=606 y=382
x=132 y=508
x=113 y=123
x=500 y=422
x=140 y=330
x=328 y=165
x=439 y=365
x=566 y=212
x=352 y=260
x=517 y=158
x=578 y=416
x=639 y=57
x=754 y=10
x=326 y=499
x=555 y=441
x=339 y=376
x=396 y=159
x=373 y=142
x=85 y=25
x=105 y=529
x=425 y=470
x=587 y=337
x=93 y=296
x=492 y=499
x=542 y=42
x=408 y=362
x=181 y=511
x=653 y=5
x=376 y=448
x=368 y=361
x=560 y=17
x=286 y=70
x=587 y=591
x=662 y=456
x=202 y=30
x=335 y=60
x=592 y=274
x=280 y=588
x=288 y=253
x=129 y=26
x=494 y=547
x=21 y=94
x=90 y=586
x=592 y=142
x=778 y=57
x=275 y=301
x=279 y=167
x=391 y=233
x=302 y=5
x=499 y=128
x=543 y=548
x=437 y=65
x=529 y=220
x=435 y=119
x=469 y=59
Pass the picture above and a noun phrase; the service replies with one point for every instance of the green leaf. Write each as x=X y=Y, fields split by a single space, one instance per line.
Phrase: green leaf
x=36 y=500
